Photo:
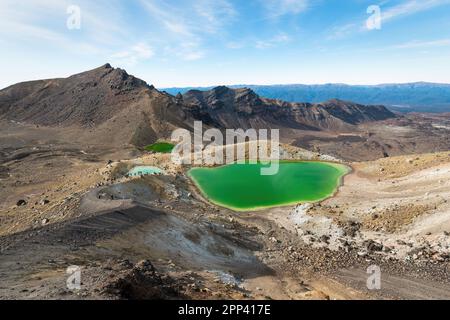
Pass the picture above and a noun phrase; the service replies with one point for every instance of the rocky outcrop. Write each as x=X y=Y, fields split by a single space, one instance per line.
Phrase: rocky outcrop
x=141 y=282
x=243 y=108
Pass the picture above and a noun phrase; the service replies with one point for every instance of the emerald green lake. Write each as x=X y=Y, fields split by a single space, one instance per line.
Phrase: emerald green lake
x=160 y=147
x=241 y=187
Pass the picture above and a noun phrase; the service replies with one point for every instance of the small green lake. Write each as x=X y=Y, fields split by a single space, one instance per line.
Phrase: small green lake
x=241 y=187
x=160 y=147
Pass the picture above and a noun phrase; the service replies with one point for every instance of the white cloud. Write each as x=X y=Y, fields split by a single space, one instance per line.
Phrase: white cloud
x=406 y=8
x=43 y=23
x=169 y=16
x=137 y=53
x=185 y=50
x=273 y=42
x=143 y=51
x=235 y=45
x=410 y=7
x=423 y=44
x=277 y=8
x=194 y=18
x=107 y=32
x=340 y=32
x=192 y=56
x=177 y=27
x=190 y=51
x=188 y=25
x=216 y=13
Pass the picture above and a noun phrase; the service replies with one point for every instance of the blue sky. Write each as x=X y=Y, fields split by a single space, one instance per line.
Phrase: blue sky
x=215 y=42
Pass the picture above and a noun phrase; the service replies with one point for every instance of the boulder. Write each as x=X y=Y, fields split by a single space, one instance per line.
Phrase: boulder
x=21 y=203
x=373 y=246
x=44 y=202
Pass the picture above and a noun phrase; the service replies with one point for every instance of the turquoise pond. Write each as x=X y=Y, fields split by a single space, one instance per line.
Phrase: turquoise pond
x=144 y=171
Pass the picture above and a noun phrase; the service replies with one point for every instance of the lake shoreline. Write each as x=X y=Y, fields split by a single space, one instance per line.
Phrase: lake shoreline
x=346 y=170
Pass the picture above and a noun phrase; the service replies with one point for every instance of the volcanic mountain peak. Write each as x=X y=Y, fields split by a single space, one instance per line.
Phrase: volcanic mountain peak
x=116 y=107
x=337 y=102
x=81 y=99
x=223 y=97
x=224 y=90
x=117 y=78
x=223 y=93
x=221 y=90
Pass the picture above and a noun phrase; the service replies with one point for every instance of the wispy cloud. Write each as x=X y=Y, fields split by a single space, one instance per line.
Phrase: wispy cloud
x=106 y=30
x=137 y=53
x=409 y=8
x=423 y=44
x=194 y=18
x=235 y=45
x=343 y=31
x=217 y=13
x=273 y=42
x=44 y=22
x=188 y=27
x=186 y=50
x=169 y=16
x=278 y=8
x=388 y=14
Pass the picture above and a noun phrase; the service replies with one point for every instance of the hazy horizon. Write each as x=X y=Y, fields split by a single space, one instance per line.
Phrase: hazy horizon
x=204 y=43
x=243 y=84
x=307 y=84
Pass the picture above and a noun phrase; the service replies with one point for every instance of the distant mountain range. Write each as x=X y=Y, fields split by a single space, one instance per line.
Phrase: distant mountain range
x=409 y=97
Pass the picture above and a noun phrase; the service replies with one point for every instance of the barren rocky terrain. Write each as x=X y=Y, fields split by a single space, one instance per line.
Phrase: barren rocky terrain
x=65 y=200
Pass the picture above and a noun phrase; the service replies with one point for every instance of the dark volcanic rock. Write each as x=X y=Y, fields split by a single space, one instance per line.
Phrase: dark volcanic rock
x=141 y=282
x=373 y=246
x=21 y=203
x=243 y=108
x=351 y=228
x=44 y=202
